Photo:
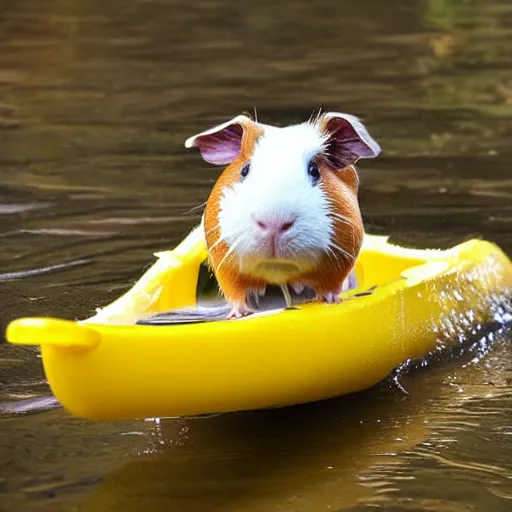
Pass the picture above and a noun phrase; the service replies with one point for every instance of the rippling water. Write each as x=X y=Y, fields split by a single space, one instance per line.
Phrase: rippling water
x=96 y=100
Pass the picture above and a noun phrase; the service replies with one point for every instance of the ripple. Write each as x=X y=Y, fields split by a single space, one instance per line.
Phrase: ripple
x=468 y=466
x=66 y=232
x=29 y=405
x=9 y=209
x=13 y=276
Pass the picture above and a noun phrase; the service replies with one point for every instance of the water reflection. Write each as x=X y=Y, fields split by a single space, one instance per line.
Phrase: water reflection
x=96 y=100
x=306 y=459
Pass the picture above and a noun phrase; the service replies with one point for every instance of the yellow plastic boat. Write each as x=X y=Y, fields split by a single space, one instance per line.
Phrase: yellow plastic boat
x=107 y=368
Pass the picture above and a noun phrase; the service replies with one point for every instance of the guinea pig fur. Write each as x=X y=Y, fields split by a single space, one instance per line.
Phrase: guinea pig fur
x=285 y=210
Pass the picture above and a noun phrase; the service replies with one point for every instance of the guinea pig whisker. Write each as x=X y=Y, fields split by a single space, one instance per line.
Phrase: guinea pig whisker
x=218 y=241
x=342 y=218
x=343 y=251
x=330 y=252
x=226 y=256
x=230 y=252
x=194 y=208
x=208 y=231
x=334 y=259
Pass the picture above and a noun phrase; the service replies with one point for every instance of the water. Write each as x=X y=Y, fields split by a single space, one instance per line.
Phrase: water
x=96 y=100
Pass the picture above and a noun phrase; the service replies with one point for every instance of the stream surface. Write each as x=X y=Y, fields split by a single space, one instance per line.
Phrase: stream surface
x=96 y=101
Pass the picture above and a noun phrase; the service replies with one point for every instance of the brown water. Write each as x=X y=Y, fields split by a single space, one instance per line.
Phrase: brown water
x=96 y=100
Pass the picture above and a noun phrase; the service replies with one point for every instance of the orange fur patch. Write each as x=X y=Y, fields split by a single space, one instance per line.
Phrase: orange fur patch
x=234 y=285
x=341 y=188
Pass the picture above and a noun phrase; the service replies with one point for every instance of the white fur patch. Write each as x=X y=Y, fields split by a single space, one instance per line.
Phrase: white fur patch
x=278 y=186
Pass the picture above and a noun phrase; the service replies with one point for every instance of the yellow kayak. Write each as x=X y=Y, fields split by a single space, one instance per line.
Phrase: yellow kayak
x=407 y=303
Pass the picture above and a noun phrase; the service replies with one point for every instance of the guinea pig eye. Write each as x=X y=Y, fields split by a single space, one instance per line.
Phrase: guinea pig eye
x=245 y=170
x=314 y=171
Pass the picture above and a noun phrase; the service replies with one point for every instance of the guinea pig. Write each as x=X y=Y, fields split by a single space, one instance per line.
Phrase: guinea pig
x=285 y=210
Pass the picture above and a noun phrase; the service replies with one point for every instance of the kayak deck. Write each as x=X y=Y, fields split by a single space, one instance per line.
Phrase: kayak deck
x=107 y=368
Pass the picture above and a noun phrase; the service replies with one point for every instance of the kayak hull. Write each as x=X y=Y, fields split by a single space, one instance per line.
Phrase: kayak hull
x=107 y=368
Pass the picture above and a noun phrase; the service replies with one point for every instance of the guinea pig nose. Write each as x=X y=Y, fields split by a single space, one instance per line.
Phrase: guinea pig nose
x=285 y=226
x=260 y=224
x=273 y=224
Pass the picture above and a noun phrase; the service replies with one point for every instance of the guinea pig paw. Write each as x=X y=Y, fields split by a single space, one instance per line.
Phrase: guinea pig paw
x=238 y=311
x=330 y=298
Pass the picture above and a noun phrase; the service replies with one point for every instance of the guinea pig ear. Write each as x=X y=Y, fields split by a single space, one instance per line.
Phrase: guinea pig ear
x=348 y=140
x=221 y=144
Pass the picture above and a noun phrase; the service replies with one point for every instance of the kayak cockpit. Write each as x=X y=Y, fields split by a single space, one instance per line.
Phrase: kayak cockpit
x=180 y=282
